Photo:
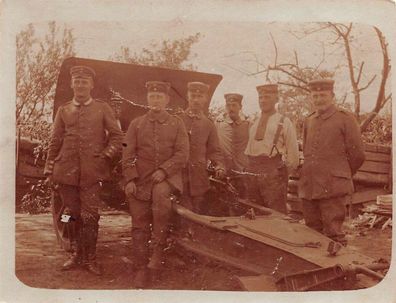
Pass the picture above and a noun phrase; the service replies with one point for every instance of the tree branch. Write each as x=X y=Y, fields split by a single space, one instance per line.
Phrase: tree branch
x=360 y=72
x=368 y=84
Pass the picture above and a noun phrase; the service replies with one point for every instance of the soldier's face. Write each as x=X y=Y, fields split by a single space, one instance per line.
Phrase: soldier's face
x=197 y=101
x=82 y=88
x=267 y=102
x=233 y=109
x=157 y=101
x=321 y=100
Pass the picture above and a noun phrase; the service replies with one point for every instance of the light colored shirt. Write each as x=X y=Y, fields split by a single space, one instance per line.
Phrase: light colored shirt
x=287 y=144
x=233 y=138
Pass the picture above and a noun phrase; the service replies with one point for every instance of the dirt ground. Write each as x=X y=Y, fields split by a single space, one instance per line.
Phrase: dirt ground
x=39 y=257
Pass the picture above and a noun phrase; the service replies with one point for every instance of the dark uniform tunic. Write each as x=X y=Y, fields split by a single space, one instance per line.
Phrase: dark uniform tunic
x=333 y=152
x=151 y=143
x=204 y=146
x=84 y=139
x=233 y=137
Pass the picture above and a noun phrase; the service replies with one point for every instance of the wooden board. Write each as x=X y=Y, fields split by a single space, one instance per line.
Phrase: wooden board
x=377 y=148
x=367 y=195
x=375 y=167
x=377 y=157
x=371 y=178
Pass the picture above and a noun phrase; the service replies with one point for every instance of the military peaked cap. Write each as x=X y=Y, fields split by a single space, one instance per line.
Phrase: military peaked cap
x=321 y=85
x=158 y=86
x=233 y=97
x=82 y=71
x=198 y=87
x=267 y=89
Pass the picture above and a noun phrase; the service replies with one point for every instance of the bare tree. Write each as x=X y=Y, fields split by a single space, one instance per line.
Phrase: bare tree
x=295 y=76
x=169 y=54
x=343 y=33
x=37 y=66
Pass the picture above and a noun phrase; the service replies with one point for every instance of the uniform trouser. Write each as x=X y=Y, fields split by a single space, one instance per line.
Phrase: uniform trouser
x=150 y=221
x=269 y=188
x=82 y=203
x=326 y=216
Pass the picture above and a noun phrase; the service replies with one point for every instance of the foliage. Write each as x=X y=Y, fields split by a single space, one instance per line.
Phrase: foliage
x=379 y=131
x=38 y=199
x=169 y=54
x=38 y=61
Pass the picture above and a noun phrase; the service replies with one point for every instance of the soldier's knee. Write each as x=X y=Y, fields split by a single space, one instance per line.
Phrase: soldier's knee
x=161 y=190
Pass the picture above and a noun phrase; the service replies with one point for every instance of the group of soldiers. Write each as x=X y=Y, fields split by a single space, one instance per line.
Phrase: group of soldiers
x=165 y=154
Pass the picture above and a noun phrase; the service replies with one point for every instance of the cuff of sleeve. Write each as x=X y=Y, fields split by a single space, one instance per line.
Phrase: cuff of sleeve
x=130 y=174
x=167 y=168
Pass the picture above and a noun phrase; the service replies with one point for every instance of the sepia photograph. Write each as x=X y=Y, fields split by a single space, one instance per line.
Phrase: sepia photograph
x=219 y=155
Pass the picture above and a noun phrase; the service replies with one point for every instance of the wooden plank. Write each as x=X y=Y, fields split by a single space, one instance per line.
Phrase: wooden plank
x=367 y=195
x=377 y=157
x=371 y=178
x=377 y=148
x=375 y=167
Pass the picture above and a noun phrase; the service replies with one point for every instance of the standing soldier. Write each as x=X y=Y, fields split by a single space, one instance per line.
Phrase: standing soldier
x=204 y=146
x=272 y=149
x=85 y=138
x=333 y=152
x=156 y=149
x=233 y=131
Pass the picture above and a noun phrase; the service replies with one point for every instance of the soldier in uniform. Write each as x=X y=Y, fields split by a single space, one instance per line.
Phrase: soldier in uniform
x=333 y=152
x=156 y=150
x=204 y=146
x=85 y=138
x=233 y=131
x=272 y=150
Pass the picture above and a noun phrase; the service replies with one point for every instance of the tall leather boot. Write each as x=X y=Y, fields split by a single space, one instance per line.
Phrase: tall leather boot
x=77 y=255
x=91 y=237
x=140 y=240
x=159 y=235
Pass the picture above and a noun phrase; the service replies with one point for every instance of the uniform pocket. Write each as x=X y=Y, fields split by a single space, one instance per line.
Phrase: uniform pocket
x=341 y=183
x=341 y=174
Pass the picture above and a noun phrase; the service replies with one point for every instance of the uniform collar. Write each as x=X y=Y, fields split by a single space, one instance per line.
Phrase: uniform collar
x=192 y=114
x=85 y=103
x=161 y=117
x=228 y=120
x=328 y=113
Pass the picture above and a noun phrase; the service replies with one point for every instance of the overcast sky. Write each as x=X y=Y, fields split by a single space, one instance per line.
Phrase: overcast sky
x=232 y=49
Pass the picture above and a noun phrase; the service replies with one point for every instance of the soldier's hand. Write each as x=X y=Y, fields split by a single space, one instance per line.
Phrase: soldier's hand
x=158 y=176
x=220 y=173
x=130 y=189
